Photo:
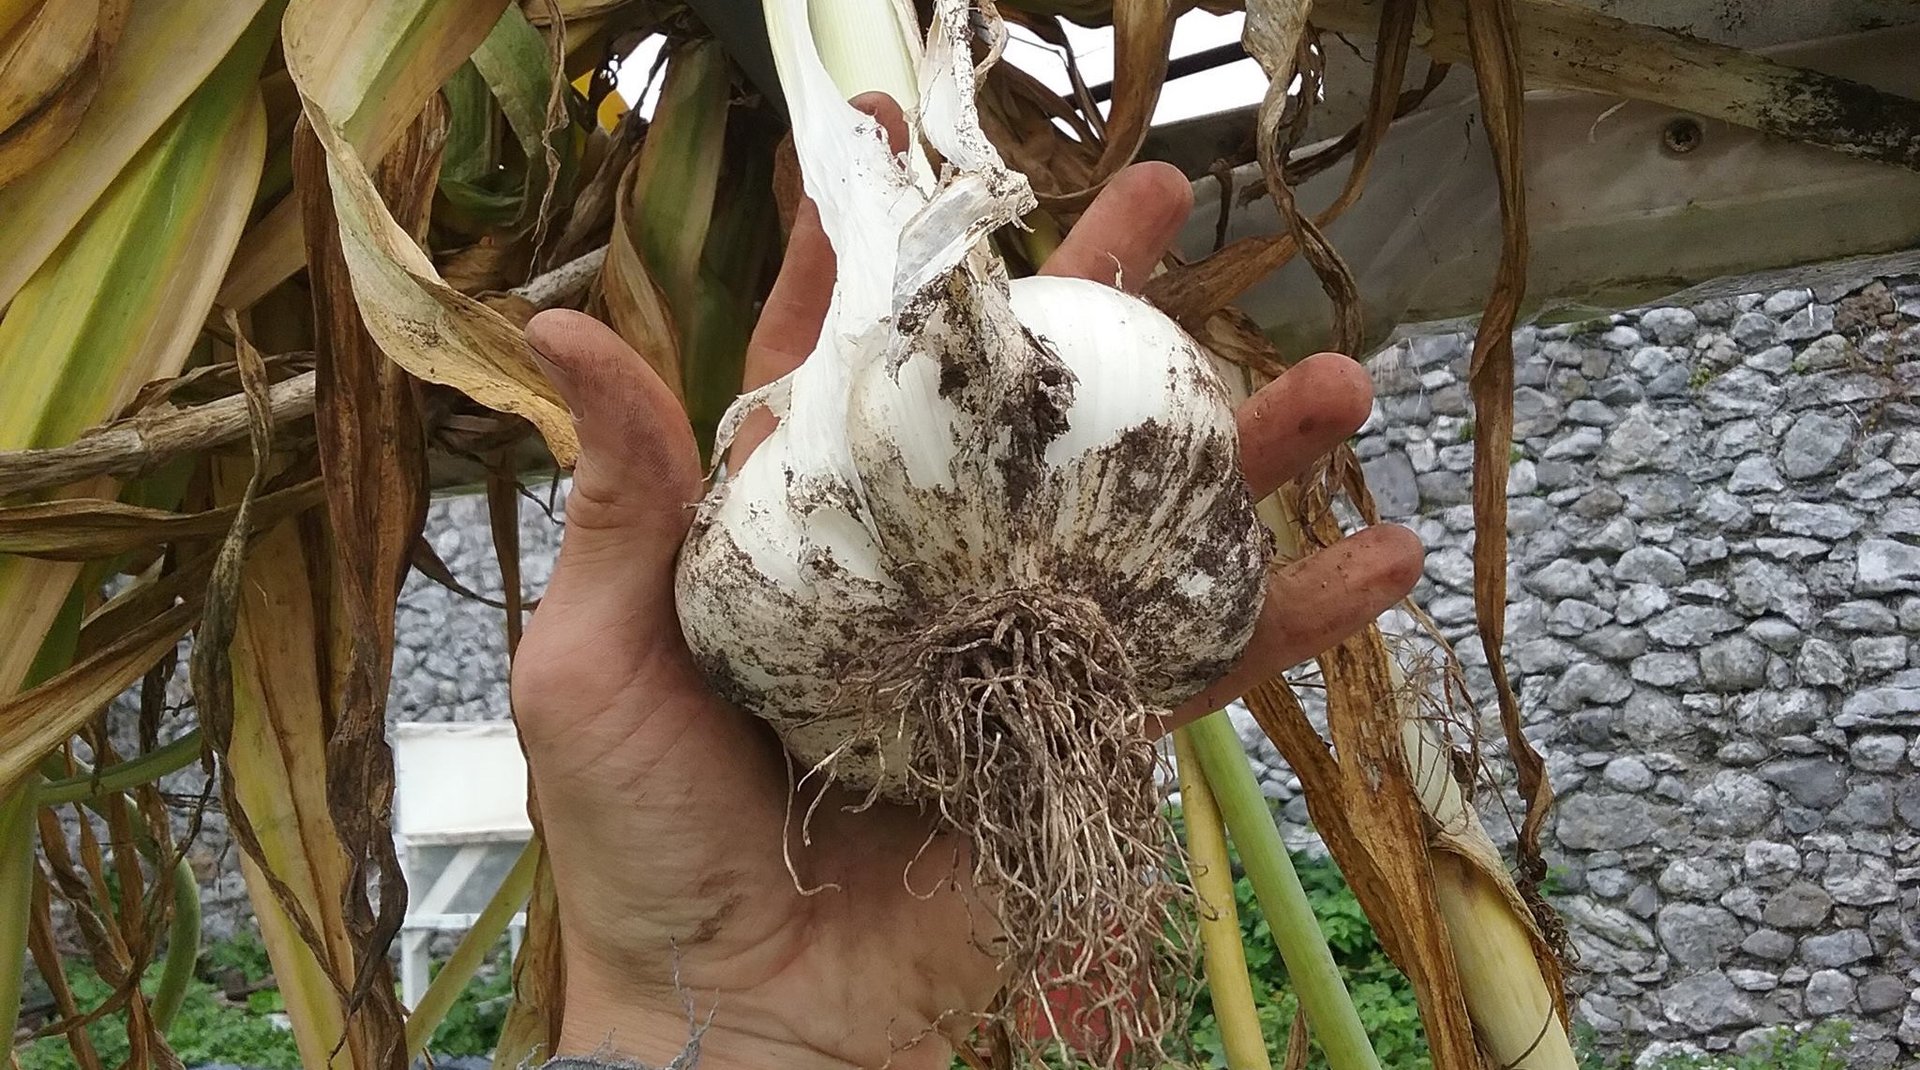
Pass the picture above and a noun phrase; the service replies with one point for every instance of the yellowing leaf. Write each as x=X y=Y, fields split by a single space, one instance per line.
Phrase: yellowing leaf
x=277 y=762
x=50 y=67
x=122 y=302
x=472 y=951
x=35 y=721
x=165 y=52
x=532 y=1026
x=424 y=325
x=17 y=836
x=368 y=65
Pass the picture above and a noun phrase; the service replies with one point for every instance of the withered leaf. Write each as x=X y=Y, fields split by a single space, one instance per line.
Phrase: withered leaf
x=84 y=529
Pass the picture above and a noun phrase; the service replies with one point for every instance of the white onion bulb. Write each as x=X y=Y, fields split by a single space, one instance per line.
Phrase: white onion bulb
x=999 y=525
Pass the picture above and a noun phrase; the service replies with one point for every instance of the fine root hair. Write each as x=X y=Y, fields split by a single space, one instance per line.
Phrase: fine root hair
x=1031 y=744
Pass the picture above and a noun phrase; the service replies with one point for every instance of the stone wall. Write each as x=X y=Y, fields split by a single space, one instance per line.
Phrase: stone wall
x=1714 y=628
x=1714 y=625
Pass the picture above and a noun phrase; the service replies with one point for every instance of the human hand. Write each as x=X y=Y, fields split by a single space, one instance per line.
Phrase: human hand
x=666 y=810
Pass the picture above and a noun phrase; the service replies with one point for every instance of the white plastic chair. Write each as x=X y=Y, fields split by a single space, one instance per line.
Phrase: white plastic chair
x=459 y=822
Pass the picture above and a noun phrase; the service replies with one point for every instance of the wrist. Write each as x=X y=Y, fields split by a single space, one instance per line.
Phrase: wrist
x=729 y=1031
x=658 y=1041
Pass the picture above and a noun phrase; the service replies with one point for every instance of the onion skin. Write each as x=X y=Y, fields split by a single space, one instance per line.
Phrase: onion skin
x=999 y=526
x=1126 y=492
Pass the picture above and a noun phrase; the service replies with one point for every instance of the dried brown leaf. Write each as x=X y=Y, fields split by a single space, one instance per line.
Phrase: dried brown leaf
x=503 y=517
x=490 y=264
x=84 y=529
x=1297 y=1049
x=148 y=596
x=1364 y=806
x=1142 y=37
x=373 y=461
x=1231 y=335
x=1273 y=35
x=1018 y=112
x=42 y=944
x=1496 y=68
x=264 y=690
x=428 y=563
x=1051 y=30
x=40 y=719
x=1189 y=292
x=593 y=207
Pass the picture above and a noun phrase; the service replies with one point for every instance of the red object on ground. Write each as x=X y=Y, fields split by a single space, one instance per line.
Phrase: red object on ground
x=1066 y=1004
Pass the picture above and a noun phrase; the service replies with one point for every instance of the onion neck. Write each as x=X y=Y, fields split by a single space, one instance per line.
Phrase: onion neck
x=866 y=46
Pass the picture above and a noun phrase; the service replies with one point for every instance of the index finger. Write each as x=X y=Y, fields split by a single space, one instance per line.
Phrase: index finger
x=1127 y=228
x=795 y=308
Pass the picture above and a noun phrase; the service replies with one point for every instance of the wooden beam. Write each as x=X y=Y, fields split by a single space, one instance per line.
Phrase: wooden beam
x=1619 y=216
x=1568 y=46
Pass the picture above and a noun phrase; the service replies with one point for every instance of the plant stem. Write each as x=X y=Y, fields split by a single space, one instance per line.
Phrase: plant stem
x=1310 y=966
x=1222 y=952
x=472 y=951
x=864 y=46
x=17 y=834
x=151 y=766
x=183 y=947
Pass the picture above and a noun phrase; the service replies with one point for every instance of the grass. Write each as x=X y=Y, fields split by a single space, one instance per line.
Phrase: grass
x=212 y=1027
x=1381 y=995
x=209 y=1028
x=1822 y=1047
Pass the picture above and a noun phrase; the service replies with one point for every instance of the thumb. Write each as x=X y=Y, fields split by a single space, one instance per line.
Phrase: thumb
x=638 y=473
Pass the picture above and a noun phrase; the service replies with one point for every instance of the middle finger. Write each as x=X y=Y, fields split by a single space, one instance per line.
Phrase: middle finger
x=1294 y=420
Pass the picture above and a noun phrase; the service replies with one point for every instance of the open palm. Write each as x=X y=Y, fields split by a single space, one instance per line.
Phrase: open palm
x=680 y=871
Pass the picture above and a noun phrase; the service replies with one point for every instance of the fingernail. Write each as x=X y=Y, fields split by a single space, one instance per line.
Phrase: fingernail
x=555 y=377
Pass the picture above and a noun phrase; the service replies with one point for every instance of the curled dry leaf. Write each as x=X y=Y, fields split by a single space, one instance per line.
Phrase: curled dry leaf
x=1231 y=335
x=1191 y=291
x=490 y=264
x=1018 y=114
x=263 y=686
x=367 y=417
x=426 y=326
x=1364 y=806
x=1188 y=292
x=85 y=529
x=1273 y=35
x=38 y=720
x=1496 y=67
x=51 y=64
x=1142 y=36
x=594 y=205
